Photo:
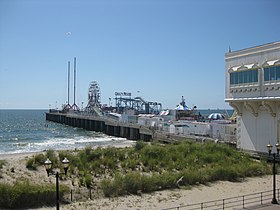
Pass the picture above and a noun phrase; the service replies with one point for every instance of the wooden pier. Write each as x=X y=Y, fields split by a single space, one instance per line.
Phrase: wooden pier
x=104 y=125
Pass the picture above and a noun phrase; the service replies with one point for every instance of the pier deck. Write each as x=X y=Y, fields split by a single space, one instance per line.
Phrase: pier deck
x=104 y=125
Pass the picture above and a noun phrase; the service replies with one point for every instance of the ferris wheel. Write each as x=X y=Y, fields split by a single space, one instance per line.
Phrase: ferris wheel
x=93 y=95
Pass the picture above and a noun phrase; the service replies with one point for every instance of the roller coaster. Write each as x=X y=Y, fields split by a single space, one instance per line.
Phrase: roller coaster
x=123 y=102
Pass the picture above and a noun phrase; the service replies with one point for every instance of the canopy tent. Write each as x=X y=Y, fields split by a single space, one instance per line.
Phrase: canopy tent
x=180 y=107
x=216 y=116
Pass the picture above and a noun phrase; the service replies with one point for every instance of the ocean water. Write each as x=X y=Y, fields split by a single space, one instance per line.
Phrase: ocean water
x=23 y=131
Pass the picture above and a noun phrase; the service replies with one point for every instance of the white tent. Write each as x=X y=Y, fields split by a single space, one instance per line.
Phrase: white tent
x=180 y=107
x=216 y=116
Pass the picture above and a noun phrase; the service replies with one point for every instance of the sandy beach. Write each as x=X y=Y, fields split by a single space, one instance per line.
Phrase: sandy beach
x=15 y=169
x=173 y=198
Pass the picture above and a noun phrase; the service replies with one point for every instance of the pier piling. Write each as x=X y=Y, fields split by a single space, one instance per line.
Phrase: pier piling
x=100 y=124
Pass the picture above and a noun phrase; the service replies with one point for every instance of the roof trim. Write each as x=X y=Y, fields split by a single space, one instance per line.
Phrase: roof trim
x=253 y=50
x=253 y=98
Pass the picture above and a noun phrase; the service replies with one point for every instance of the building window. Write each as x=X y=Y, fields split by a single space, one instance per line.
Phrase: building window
x=277 y=72
x=272 y=73
x=244 y=77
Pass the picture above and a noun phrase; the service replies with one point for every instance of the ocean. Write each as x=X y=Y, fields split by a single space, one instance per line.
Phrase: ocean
x=23 y=131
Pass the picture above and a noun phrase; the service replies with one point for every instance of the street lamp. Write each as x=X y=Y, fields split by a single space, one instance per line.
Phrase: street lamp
x=269 y=147
x=48 y=165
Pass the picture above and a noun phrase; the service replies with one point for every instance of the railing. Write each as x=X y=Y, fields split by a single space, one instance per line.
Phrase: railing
x=244 y=201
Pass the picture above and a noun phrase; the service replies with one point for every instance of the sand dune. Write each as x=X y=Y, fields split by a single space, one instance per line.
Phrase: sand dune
x=156 y=200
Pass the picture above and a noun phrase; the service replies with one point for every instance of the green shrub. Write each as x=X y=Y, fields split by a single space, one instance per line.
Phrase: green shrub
x=95 y=155
x=191 y=177
x=132 y=182
x=149 y=184
x=35 y=161
x=164 y=166
x=131 y=163
x=64 y=153
x=86 y=180
x=109 y=162
x=2 y=163
x=256 y=169
x=194 y=163
x=224 y=173
x=165 y=181
x=108 y=188
x=31 y=164
x=40 y=159
x=52 y=156
x=122 y=155
x=26 y=195
x=139 y=145
x=113 y=188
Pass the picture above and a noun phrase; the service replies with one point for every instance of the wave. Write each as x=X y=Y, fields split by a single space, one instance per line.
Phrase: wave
x=27 y=131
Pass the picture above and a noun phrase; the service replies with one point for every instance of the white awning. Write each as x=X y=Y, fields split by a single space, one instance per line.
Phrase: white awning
x=244 y=67
x=235 y=68
x=271 y=63
x=251 y=66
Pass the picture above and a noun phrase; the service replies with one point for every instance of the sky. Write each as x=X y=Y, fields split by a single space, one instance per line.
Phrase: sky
x=160 y=50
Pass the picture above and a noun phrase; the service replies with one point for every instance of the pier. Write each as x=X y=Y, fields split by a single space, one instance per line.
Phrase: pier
x=101 y=124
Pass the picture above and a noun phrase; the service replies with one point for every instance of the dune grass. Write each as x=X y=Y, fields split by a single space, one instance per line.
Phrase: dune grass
x=2 y=163
x=150 y=167
x=158 y=167
x=24 y=194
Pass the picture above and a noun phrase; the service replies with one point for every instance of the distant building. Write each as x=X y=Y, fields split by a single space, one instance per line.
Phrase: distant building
x=253 y=90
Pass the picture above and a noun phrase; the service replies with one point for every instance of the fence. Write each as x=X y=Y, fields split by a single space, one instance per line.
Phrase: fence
x=244 y=201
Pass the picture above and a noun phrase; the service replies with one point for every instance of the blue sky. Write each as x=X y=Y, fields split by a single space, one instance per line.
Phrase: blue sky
x=164 y=49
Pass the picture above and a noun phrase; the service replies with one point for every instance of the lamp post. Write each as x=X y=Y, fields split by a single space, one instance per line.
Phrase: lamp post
x=48 y=165
x=269 y=147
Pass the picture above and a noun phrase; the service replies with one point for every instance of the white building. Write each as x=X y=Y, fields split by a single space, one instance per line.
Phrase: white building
x=253 y=90
x=150 y=120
